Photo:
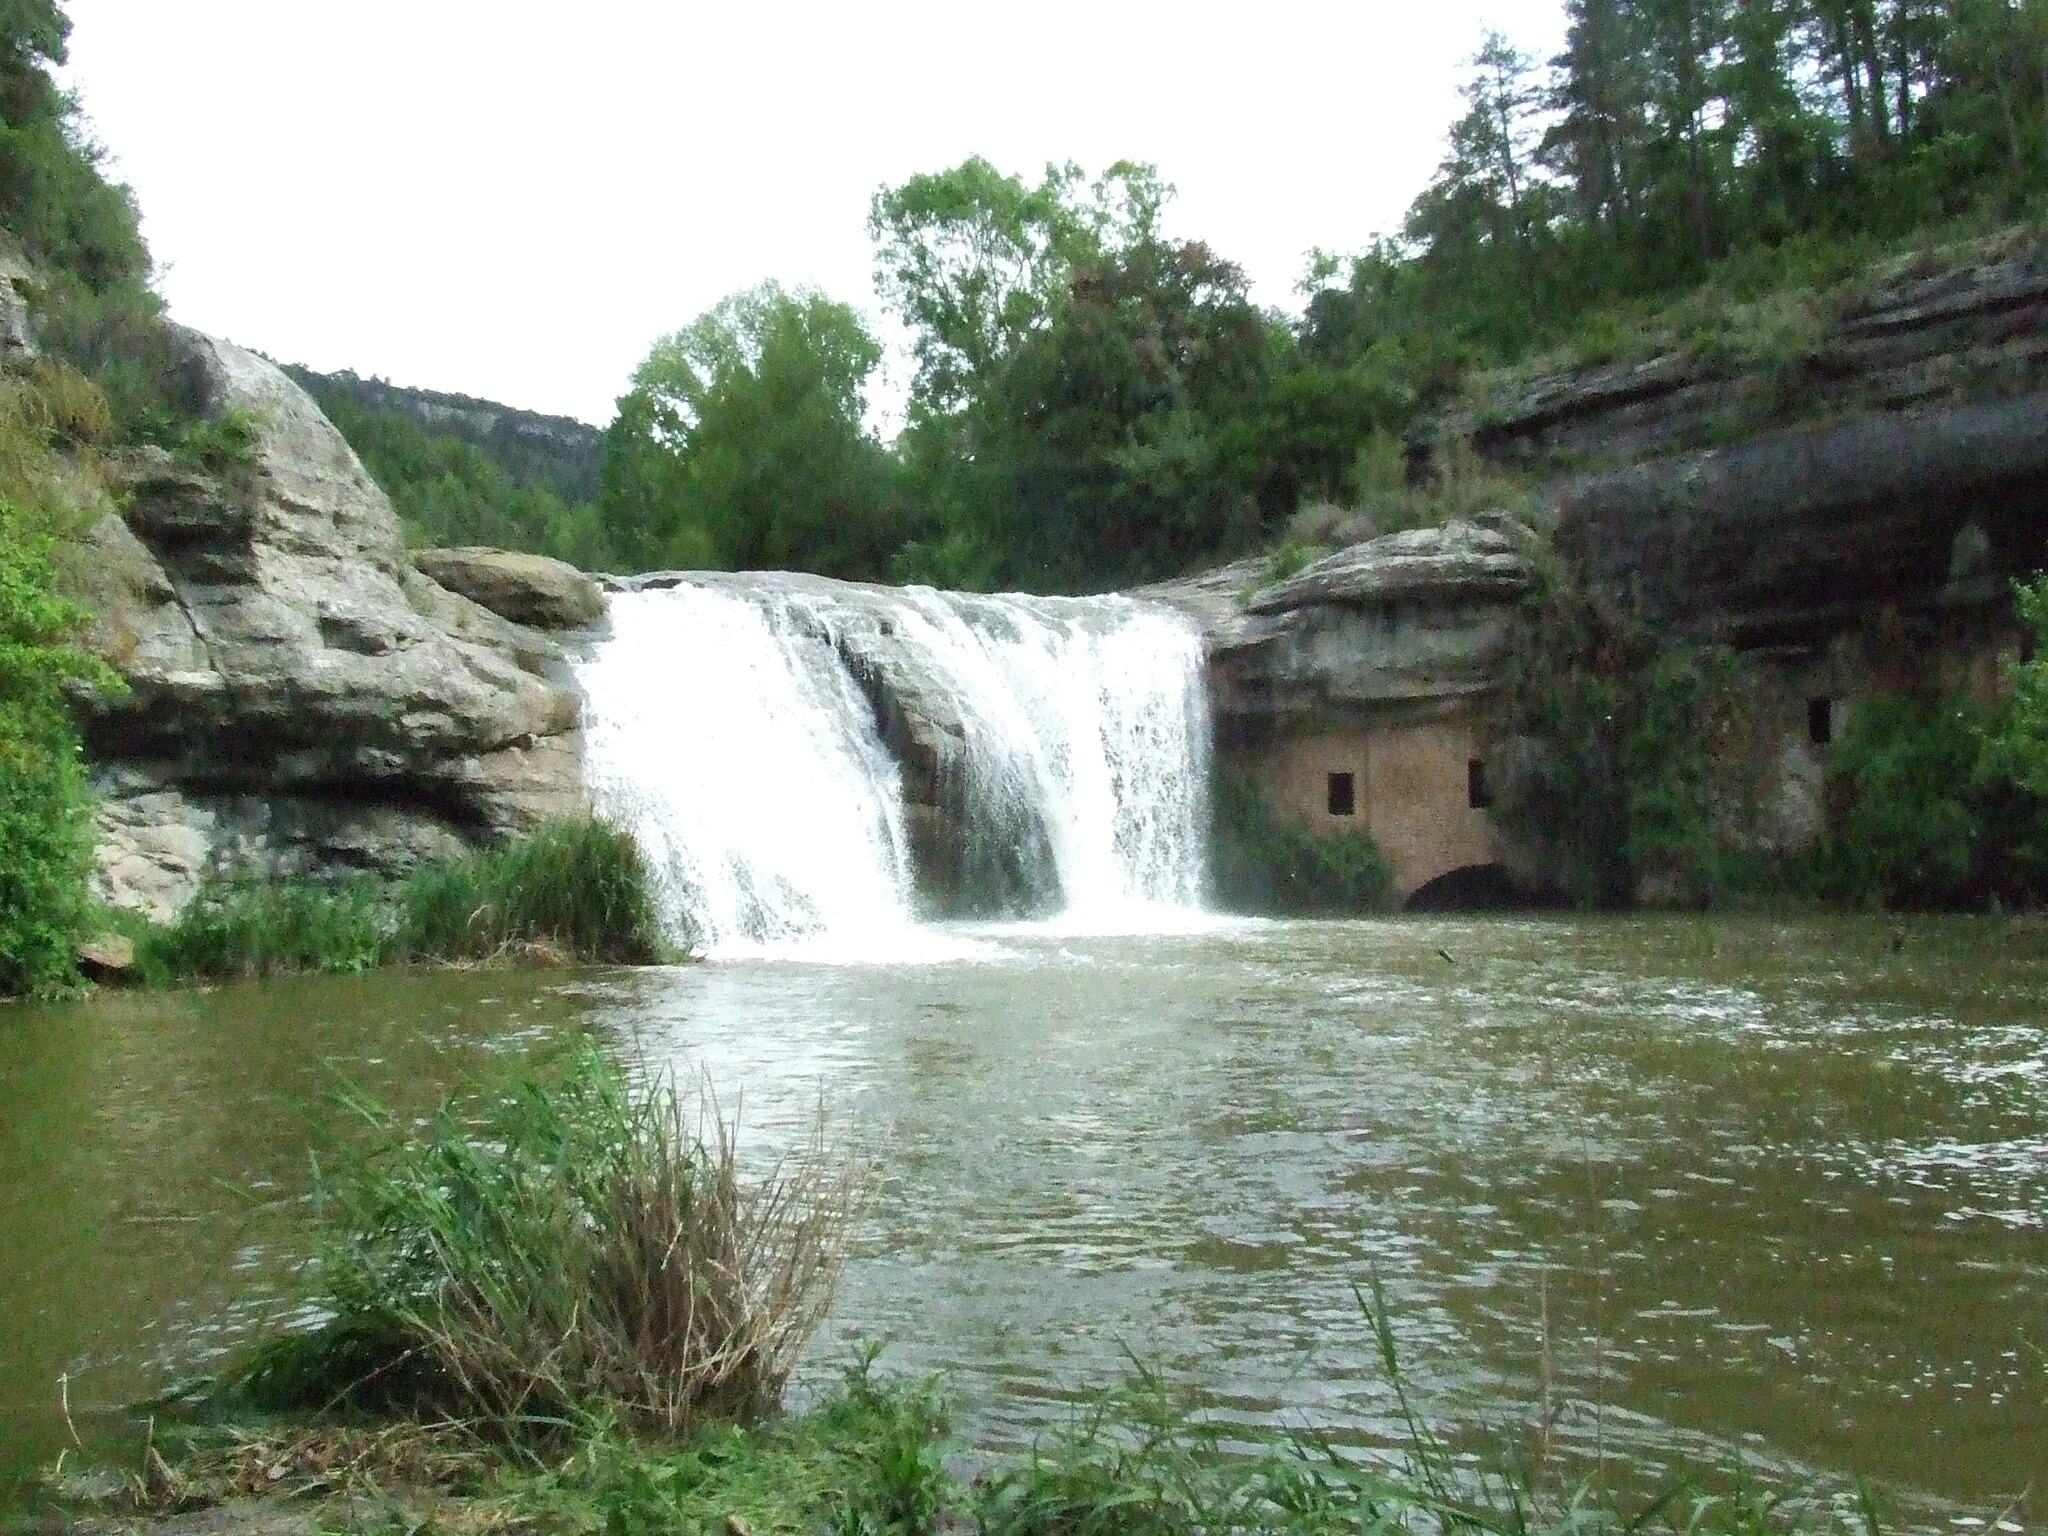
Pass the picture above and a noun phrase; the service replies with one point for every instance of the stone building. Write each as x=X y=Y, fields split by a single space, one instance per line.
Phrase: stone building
x=1360 y=693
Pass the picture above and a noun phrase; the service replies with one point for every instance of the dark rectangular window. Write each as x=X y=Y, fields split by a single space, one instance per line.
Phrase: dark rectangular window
x=1478 y=793
x=1820 y=721
x=1343 y=795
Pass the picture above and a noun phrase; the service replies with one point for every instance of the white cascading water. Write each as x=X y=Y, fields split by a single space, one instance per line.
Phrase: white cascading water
x=744 y=760
x=1090 y=713
x=725 y=729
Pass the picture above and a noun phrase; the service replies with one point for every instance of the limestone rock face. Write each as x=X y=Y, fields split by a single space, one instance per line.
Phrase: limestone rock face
x=527 y=589
x=1417 y=618
x=1923 y=332
x=1792 y=535
x=279 y=651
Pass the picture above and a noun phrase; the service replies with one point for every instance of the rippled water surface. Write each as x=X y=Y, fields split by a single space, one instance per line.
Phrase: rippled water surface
x=1746 y=1189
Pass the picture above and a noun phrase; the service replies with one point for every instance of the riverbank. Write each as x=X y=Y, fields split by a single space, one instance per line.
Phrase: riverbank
x=572 y=892
x=873 y=1457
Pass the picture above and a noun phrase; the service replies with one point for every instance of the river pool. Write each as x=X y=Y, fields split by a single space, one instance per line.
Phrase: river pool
x=1756 y=1190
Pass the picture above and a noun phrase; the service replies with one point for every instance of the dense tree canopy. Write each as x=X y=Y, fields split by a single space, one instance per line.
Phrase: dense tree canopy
x=1096 y=401
x=743 y=443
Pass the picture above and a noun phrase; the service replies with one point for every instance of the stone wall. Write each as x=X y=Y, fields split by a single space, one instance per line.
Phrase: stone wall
x=1382 y=661
x=1411 y=784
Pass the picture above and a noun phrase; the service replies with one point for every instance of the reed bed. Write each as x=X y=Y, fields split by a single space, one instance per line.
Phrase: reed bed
x=582 y=1250
x=573 y=891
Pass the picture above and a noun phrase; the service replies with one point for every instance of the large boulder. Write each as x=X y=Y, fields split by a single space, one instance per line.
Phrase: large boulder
x=278 y=648
x=527 y=589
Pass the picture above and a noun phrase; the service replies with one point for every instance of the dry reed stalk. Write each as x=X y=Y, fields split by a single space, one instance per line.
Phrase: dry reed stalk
x=653 y=1282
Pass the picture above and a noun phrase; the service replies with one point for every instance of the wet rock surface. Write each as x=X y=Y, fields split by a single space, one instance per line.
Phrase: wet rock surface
x=1797 y=534
x=280 y=653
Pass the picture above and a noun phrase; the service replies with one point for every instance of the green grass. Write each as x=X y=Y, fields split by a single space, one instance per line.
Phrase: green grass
x=578 y=887
x=573 y=891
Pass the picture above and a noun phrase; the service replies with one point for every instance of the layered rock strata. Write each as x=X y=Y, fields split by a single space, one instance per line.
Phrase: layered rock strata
x=1912 y=334
x=300 y=700
x=1406 y=622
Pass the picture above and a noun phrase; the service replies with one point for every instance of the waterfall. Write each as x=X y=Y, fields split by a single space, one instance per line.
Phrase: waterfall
x=1086 y=728
x=736 y=725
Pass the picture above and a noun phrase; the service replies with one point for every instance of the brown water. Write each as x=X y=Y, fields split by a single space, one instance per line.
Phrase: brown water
x=1757 y=1190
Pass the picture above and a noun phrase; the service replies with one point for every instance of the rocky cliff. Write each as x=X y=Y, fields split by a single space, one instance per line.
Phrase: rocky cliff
x=1800 y=466
x=1794 y=536
x=1925 y=332
x=1410 y=621
x=300 y=699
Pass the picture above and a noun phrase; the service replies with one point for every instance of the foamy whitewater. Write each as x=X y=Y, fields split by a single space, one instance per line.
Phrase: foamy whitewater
x=725 y=729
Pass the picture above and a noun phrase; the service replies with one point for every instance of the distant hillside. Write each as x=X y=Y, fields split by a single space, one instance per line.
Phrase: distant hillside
x=466 y=471
x=557 y=453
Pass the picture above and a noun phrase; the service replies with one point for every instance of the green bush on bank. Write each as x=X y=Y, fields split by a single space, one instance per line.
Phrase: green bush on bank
x=1631 y=777
x=1262 y=862
x=572 y=891
x=578 y=887
x=1928 y=806
x=45 y=814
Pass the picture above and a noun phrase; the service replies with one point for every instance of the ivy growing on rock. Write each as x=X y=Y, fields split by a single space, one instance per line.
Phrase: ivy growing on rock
x=1629 y=772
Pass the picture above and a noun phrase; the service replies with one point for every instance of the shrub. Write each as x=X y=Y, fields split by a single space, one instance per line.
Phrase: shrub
x=1930 y=804
x=580 y=1248
x=224 y=445
x=1630 y=770
x=1266 y=863
x=1460 y=485
x=45 y=814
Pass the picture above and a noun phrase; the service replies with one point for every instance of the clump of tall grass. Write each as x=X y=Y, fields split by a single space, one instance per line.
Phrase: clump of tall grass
x=573 y=891
x=582 y=1250
x=250 y=928
x=579 y=887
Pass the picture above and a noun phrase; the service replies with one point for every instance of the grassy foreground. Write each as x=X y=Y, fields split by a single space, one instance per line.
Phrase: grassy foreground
x=572 y=891
x=570 y=1310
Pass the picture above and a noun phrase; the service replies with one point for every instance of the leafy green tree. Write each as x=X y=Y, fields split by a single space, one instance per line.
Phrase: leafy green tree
x=1115 y=417
x=975 y=261
x=743 y=443
x=1087 y=405
x=2018 y=751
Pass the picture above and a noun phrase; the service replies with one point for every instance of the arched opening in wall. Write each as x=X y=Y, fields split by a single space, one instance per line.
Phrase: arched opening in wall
x=1472 y=888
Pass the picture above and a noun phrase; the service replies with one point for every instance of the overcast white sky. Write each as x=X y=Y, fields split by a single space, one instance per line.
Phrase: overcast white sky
x=513 y=200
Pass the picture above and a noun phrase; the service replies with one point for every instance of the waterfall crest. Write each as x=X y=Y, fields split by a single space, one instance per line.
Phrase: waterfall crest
x=757 y=734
